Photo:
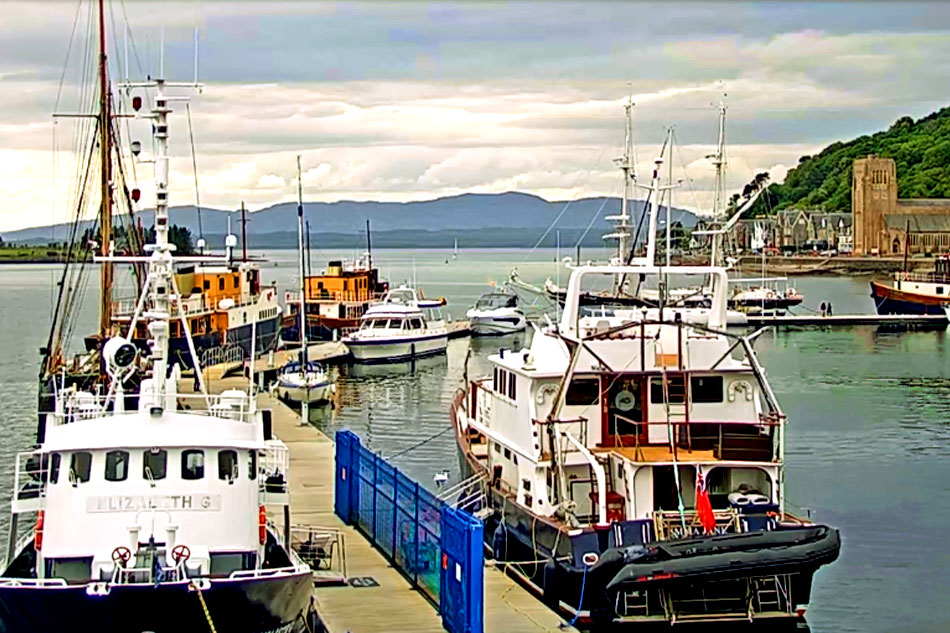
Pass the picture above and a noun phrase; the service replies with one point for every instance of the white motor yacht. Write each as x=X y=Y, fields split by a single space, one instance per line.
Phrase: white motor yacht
x=401 y=327
x=496 y=312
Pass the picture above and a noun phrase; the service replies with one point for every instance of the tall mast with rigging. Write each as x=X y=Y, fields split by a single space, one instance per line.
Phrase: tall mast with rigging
x=621 y=229
x=303 y=281
x=719 y=162
x=105 y=172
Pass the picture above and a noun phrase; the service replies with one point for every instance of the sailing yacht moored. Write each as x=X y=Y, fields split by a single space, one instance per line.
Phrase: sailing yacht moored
x=302 y=380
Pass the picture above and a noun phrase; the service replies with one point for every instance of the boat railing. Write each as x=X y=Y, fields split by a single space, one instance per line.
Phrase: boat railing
x=274 y=467
x=670 y=525
x=228 y=405
x=268 y=572
x=32 y=582
x=727 y=440
x=340 y=296
x=931 y=278
x=30 y=480
x=190 y=305
x=578 y=427
x=146 y=572
x=323 y=549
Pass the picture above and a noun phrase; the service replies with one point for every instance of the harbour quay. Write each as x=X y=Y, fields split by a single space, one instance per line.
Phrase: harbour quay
x=373 y=595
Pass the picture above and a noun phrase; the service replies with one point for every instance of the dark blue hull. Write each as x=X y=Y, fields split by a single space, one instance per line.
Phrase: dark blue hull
x=259 y=605
x=891 y=301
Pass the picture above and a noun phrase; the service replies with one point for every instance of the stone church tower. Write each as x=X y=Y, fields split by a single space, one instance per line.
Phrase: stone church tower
x=873 y=196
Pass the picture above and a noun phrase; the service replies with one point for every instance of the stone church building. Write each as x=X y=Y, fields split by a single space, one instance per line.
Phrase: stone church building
x=883 y=222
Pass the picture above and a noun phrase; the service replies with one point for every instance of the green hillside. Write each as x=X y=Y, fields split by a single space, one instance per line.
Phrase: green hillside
x=920 y=148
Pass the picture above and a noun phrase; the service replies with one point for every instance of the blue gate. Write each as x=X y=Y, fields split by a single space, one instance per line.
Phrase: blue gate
x=463 y=583
x=345 y=490
x=435 y=546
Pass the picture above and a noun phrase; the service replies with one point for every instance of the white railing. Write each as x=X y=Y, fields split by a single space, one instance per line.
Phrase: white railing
x=29 y=481
x=32 y=582
x=227 y=406
x=264 y=573
x=232 y=355
x=274 y=465
x=194 y=304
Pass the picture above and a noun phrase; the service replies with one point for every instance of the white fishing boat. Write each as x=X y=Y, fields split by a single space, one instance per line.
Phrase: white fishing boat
x=401 y=327
x=496 y=313
x=631 y=467
x=152 y=506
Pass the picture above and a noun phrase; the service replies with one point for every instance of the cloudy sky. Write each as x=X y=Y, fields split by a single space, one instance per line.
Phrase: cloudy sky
x=402 y=101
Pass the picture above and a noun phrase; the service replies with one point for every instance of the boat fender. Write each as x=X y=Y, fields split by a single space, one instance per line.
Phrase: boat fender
x=548 y=586
x=498 y=542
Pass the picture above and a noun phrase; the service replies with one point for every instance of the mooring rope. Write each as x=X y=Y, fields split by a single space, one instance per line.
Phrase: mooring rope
x=204 y=607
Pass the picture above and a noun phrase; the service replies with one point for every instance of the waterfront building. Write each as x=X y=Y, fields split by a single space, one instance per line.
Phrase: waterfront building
x=883 y=222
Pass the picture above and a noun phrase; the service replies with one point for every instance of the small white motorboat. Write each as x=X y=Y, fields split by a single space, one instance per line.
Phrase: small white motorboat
x=401 y=327
x=496 y=313
x=310 y=385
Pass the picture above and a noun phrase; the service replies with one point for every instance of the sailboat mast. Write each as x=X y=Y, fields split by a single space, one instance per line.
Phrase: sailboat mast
x=623 y=242
x=303 y=302
x=719 y=162
x=105 y=172
x=369 y=247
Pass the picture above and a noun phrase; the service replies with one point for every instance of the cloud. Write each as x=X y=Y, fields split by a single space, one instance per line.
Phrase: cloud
x=413 y=101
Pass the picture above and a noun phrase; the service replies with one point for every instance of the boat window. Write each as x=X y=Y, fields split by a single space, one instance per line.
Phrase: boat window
x=415 y=324
x=227 y=465
x=192 y=464
x=722 y=481
x=207 y=285
x=705 y=388
x=154 y=463
x=511 y=386
x=379 y=323
x=220 y=283
x=117 y=465
x=675 y=386
x=583 y=392
x=252 y=464
x=236 y=282
x=54 y=468
x=80 y=466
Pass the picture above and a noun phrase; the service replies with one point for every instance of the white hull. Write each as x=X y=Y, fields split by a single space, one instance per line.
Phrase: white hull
x=497 y=325
x=395 y=349
x=310 y=395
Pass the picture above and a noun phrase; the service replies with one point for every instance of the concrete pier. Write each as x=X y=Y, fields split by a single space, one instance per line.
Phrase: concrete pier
x=391 y=605
x=851 y=319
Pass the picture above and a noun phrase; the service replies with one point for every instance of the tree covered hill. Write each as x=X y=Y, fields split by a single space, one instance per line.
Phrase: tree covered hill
x=921 y=150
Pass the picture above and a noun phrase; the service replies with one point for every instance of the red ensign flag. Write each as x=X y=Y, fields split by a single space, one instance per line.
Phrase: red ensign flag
x=703 y=507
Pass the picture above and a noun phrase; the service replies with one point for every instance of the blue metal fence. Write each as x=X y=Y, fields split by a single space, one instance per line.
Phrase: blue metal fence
x=437 y=547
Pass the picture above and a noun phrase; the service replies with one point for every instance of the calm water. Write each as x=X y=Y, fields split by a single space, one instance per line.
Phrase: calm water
x=868 y=436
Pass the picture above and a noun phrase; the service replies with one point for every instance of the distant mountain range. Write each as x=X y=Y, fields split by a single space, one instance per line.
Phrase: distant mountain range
x=510 y=219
